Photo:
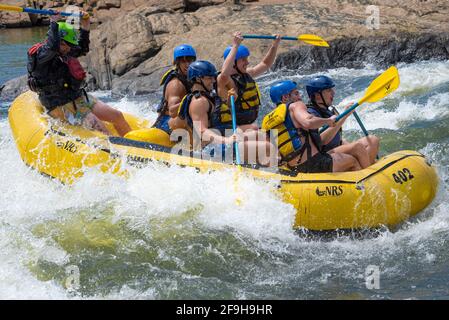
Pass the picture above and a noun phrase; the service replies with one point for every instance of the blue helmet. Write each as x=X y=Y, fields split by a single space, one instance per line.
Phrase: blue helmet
x=184 y=50
x=318 y=84
x=200 y=69
x=278 y=89
x=242 y=52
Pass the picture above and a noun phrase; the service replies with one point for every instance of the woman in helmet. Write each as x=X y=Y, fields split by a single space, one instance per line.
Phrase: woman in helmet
x=237 y=77
x=298 y=140
x=175 y=86
x=321 y=93
x=55 y=73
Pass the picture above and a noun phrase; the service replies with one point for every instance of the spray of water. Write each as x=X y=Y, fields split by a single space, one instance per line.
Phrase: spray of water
x=175 y=233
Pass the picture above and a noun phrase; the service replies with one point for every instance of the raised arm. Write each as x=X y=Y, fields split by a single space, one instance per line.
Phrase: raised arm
x=84 y=40
x=228 y=64
x=53 y=38
x=268 y=61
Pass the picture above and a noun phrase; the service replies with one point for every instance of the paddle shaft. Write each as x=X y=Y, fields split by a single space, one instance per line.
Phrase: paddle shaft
x=363 y=128
x=341 y=115
x=361 y=124
x=234 y=128
x=38 y=11
x=252 y=36
x=51 y=12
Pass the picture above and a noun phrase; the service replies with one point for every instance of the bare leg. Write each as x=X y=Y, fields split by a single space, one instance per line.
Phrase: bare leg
x=91 y=121
x=106 y=113
x=371 y=144
x=344 y=162
x=357 y=150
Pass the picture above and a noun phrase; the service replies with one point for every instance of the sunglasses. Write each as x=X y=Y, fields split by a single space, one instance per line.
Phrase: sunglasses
x=187 y=59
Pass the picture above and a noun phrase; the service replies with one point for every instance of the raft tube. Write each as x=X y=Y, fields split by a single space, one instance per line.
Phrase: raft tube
x=387 y=193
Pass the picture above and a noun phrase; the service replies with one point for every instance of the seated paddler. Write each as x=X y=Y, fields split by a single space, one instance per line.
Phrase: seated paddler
x=196 y=109
x=296 y=134
x=321 y=92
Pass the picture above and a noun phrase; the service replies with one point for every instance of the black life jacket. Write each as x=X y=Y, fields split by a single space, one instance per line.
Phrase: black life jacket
x=315 y=110
x=166 y=78
x=62 y=73
x=247 y=103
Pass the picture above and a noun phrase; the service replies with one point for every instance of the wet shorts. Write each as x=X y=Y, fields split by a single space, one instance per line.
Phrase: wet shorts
x=319 y=163
x=75 y=111
x=162 y=123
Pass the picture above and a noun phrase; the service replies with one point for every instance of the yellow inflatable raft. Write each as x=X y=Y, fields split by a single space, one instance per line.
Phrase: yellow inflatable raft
x=392 y=190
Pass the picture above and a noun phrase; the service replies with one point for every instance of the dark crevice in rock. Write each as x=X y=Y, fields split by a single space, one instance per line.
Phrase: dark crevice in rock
x=192 y=5
x=357 y=52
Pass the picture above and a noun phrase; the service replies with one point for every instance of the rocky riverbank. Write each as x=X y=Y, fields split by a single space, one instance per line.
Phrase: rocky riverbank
x=133 y=47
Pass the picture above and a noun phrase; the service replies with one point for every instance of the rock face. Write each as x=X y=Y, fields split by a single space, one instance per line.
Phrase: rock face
x=13 y=88
x=101 y=10
x=133 y=45
x=120 y=46
x=356 y=52
x=14 y=19
x=405 y=33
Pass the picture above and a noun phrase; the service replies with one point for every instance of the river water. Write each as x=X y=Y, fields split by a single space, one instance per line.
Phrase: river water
x=171 y=233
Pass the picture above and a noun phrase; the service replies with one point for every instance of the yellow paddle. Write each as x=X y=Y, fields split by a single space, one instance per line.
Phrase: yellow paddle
x=307 y=38
x=381 y=87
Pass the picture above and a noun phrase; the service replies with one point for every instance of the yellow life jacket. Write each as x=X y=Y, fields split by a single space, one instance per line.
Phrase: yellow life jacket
x=288 y=136
x=247 y=103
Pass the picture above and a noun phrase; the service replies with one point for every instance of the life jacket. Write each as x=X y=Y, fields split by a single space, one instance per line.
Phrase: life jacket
x=326 y=113
x=76 y=69
x=184 y=107
x=55 y=81
x=247 y=103
x=166 y=78
x=289 y=137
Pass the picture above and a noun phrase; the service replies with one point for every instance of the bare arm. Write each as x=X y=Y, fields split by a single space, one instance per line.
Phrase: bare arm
x=330 y=133
x=174 y=93
x=198 y=112
x=298 y=111
x=224 y=78
x=267 y=61
x=228 y=64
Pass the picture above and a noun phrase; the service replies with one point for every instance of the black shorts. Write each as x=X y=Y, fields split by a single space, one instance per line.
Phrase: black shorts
x=319 y=163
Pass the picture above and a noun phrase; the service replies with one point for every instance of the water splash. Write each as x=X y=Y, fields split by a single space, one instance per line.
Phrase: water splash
x=171 y=233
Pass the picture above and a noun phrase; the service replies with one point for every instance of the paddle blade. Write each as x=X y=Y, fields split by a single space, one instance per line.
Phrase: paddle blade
x=382 y=86
x=10 y=8
x=313 y=40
